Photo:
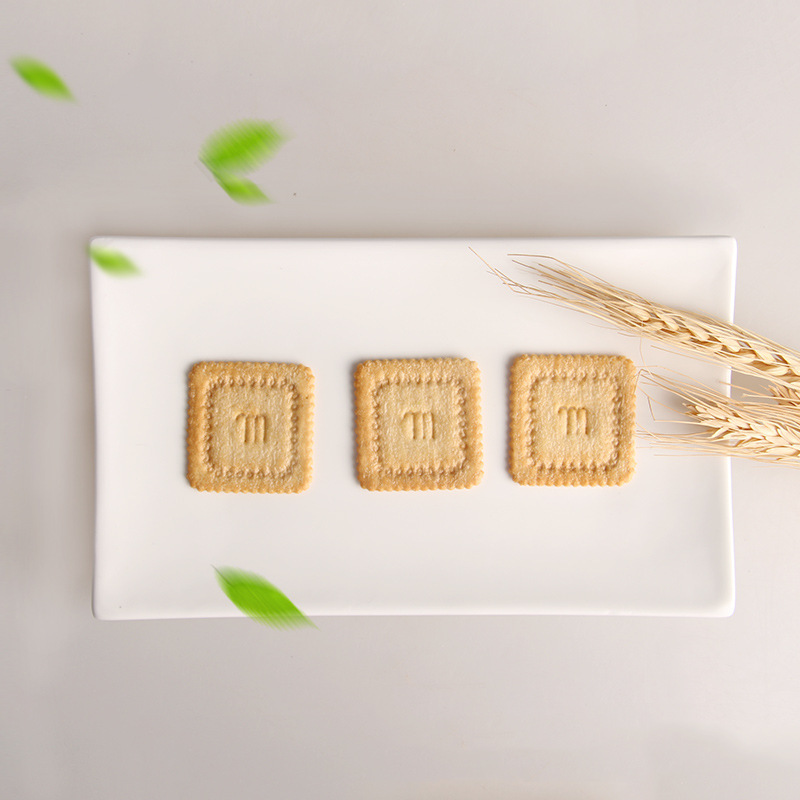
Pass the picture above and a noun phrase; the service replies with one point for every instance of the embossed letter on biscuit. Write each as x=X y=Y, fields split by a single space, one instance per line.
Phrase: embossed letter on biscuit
x=418 y=424
x=250 y=427
x=572 y=420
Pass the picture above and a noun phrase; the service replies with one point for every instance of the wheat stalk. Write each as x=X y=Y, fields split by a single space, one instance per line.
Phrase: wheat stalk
x=702 y=335
x=763 y=431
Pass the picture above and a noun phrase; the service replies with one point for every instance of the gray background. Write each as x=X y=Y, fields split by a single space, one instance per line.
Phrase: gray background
x=417 y=118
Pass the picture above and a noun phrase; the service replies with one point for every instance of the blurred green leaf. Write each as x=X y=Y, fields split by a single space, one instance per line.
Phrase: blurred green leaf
x=260 y=600
x=241 y=190
x=241 y=146
x=41 y=78
x=113 y=262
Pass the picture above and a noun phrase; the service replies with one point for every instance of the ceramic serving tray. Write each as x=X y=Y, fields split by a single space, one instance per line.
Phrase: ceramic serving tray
x=659 y=545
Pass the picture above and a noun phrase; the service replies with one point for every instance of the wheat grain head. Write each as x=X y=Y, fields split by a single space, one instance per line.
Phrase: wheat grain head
x=764 y=431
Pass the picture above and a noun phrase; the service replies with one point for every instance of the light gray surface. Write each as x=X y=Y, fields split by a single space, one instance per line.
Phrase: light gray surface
x=409 y=119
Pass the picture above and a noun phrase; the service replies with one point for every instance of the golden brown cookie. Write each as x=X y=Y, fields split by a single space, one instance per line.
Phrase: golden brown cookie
x=250 y=427
x=418 y=424
x=572 y=420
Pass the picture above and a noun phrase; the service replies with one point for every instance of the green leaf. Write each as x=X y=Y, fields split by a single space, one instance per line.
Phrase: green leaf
x=260 y=600
x=113 y=262
x=241 y=146
x=241 y=190
x=41 y=78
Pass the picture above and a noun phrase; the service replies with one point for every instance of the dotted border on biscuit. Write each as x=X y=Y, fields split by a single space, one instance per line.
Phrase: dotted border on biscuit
x=434 y=471
x=263 y=382
x=595 y=377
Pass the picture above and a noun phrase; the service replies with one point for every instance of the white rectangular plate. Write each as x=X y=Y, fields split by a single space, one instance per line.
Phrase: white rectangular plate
x=660 y=545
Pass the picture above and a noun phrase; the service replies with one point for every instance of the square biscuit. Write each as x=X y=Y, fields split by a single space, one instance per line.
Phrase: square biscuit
x=418 y=424
x=572 y=420
x=249 y=427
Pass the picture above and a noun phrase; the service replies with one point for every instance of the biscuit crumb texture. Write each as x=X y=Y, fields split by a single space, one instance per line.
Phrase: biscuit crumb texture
x=572 y=420
x=418 y=424
x=250 y=427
